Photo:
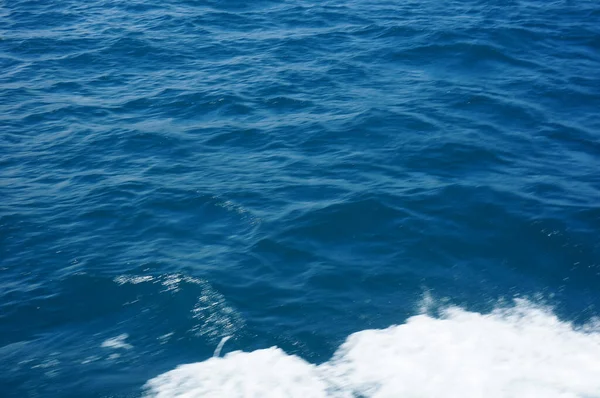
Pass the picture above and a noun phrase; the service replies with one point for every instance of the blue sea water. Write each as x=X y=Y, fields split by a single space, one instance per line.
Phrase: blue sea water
x=367 y=198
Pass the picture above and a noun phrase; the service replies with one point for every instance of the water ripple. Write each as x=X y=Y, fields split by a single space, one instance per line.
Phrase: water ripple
x=284 y=173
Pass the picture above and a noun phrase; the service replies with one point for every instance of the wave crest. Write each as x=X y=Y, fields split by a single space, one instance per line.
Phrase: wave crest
x=522 y=351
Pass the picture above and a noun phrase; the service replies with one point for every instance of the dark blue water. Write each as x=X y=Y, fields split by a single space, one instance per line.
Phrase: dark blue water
x=288 y=174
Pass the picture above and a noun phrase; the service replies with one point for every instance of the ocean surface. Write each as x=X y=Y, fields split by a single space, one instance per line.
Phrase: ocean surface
x=294 y=198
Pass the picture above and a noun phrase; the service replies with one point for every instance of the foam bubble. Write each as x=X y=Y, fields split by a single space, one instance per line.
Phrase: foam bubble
x=523 y=351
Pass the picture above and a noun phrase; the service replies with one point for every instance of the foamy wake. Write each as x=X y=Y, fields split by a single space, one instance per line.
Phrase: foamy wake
x=524 y=351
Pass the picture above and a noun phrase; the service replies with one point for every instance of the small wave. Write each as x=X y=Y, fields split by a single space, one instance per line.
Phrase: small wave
x=521 y=351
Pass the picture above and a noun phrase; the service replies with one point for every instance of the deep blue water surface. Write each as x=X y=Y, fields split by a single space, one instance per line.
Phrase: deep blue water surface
x=286 y=173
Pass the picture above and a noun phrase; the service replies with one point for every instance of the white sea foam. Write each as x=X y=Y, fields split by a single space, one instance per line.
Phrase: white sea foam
x=117 y=342
x=133 y=279
x=524 y=351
